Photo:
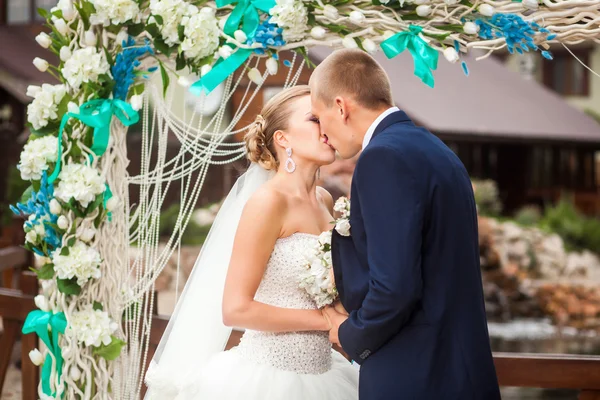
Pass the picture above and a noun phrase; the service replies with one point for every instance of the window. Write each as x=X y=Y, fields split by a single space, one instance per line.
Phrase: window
x=23 y=11
x=565 y=75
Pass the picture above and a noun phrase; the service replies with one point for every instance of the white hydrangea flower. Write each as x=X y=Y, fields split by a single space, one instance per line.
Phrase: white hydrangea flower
x=92 y=327
x=292 y=16
x=79 y=182
x=115 y=11
x=171 y=12
x=83 y=263
x=44 y=106
x=85 y=65
x=36 y=156
x=201 y=33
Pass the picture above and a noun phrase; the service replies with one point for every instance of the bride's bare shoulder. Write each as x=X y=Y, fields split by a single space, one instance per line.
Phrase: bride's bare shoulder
x=267 y=199
x=326 y=198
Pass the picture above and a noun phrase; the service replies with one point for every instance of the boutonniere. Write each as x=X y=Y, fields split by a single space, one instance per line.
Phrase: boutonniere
x=342 y=224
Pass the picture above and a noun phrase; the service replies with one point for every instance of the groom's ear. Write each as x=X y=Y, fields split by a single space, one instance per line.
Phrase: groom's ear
x=342 y=107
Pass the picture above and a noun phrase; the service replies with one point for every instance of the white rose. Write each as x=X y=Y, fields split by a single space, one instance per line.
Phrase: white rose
x=40 y=111
x=55 y=207
x=43 y=40
x=349 y=42
x=451 y=55
x=201 y=34
x=292 y=16
x=471 y=28
x=65 y=53
x=89 y=38
x=80 y=182
x=36 y=357
x=318 y=32
x=137 y=102
x=343 y=227
x=63 y=222
x=33 y=90
x=255 y=76
x=87 y=235
x=41 y=302
x=330 y=12
x=41 y=64
x=325 y=237
x=83 y=263
x=531 y=4
x=487 y=10
x=423 y=10
x=272 y=66
x=113 y=11
x=370 y=46
x=85 y=65
x=61 y=26
x=356 y=17
x=240 y=36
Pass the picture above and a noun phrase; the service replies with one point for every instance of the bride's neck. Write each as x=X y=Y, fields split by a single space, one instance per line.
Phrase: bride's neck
x=302 y=181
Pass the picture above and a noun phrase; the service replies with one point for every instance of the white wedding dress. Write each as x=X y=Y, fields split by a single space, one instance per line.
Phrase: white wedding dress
x=274 y=366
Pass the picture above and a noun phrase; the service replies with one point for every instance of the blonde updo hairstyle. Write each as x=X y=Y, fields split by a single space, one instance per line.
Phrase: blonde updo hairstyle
x=274 y=117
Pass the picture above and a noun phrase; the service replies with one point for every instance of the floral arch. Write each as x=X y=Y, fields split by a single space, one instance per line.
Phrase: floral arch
x=94 y=312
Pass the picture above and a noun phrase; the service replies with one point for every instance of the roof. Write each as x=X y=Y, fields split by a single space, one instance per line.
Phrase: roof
x=493 y=102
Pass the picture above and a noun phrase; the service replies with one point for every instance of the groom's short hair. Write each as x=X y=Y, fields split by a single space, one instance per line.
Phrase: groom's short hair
x=352 y=72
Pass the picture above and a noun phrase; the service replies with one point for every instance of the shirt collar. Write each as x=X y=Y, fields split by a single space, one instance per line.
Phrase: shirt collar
x=371 y=130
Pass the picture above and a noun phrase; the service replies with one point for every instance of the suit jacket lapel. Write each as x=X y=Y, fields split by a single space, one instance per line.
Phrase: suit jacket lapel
x=394 y=118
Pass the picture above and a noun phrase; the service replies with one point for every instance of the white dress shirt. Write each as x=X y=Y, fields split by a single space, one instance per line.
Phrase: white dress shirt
x=375 y=123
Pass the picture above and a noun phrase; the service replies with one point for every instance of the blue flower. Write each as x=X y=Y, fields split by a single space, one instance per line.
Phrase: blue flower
x=517 y=32
x=38 y=206
x=267 y=34
x=125 y=64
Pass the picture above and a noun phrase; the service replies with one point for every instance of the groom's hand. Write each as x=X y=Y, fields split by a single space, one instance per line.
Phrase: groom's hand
x=336 y=320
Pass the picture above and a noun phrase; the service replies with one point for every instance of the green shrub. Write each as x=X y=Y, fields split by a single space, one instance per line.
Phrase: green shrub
x=487 y=197
x=528 y=216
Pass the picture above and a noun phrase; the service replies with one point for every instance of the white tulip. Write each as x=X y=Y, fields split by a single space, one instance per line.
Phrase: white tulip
x=330 y=12
x=451 y=2
x=55 y=207
x=240 y=36
x=65 y=53
x=487 y=10
x=122 y=37
x=423 y=10
x=183 y=81
x=343 y=227
x=43 y=40
x=36 y=357
x=356 y=17
x=222 y=22
x=63 y=222
x=388 y=34
x=75 y=373
x=87 y=235
x=471 y=28
x=41 y=302
x=73 y=108
x=68 y=11
x=318 y=32
x=451 y=55
x=205 y=69
x=89 y=38
x=349 y=42
x=370 y=46
x=32 y=90
x=531 y=4
x=137 y=102
x=225 y=52
x=48 y=284
x=255 y=76
x=31 y=236
x=112 y=203
x=272 y=66
x=61 y=26
x=41 y=64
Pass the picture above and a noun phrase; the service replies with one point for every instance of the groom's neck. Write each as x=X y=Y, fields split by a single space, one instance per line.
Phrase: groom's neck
x=366 y=117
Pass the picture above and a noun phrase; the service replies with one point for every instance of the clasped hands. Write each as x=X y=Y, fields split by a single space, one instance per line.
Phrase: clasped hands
x=335 y=315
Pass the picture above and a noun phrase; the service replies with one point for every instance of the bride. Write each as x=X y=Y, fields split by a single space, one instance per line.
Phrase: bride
x=247 y=276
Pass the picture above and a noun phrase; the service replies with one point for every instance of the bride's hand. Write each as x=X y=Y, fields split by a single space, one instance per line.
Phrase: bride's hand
x=337 y=306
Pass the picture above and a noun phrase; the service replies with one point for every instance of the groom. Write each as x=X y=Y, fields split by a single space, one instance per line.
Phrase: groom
x=409 y=273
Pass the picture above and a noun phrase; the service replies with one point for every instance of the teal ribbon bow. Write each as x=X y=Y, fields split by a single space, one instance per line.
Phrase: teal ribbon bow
x=39 y=321
x=98 y=115
x=222 y=69
x=424 y=56
x=245 y=12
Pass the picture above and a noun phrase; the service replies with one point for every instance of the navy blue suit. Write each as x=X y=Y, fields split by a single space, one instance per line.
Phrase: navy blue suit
x=409 y=273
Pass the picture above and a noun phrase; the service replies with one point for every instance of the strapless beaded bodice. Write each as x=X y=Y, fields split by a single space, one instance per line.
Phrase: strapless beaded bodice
x=301 y=352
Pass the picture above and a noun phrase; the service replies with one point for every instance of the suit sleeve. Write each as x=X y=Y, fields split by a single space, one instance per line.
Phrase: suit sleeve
x=392 y=211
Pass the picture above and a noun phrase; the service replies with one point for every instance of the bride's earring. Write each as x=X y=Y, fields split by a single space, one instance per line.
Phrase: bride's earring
x=290 y=165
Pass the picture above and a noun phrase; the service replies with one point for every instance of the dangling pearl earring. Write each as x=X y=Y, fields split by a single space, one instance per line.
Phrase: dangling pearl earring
x=290 y=165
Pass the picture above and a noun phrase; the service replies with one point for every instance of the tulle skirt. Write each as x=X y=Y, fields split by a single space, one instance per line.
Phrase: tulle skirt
x=229 y=376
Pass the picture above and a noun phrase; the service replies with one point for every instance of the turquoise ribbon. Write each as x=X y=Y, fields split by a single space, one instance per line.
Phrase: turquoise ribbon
x=246 y=12
x=39 y=321
x=96 y=114
x=425 y=57
x=220 y=72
